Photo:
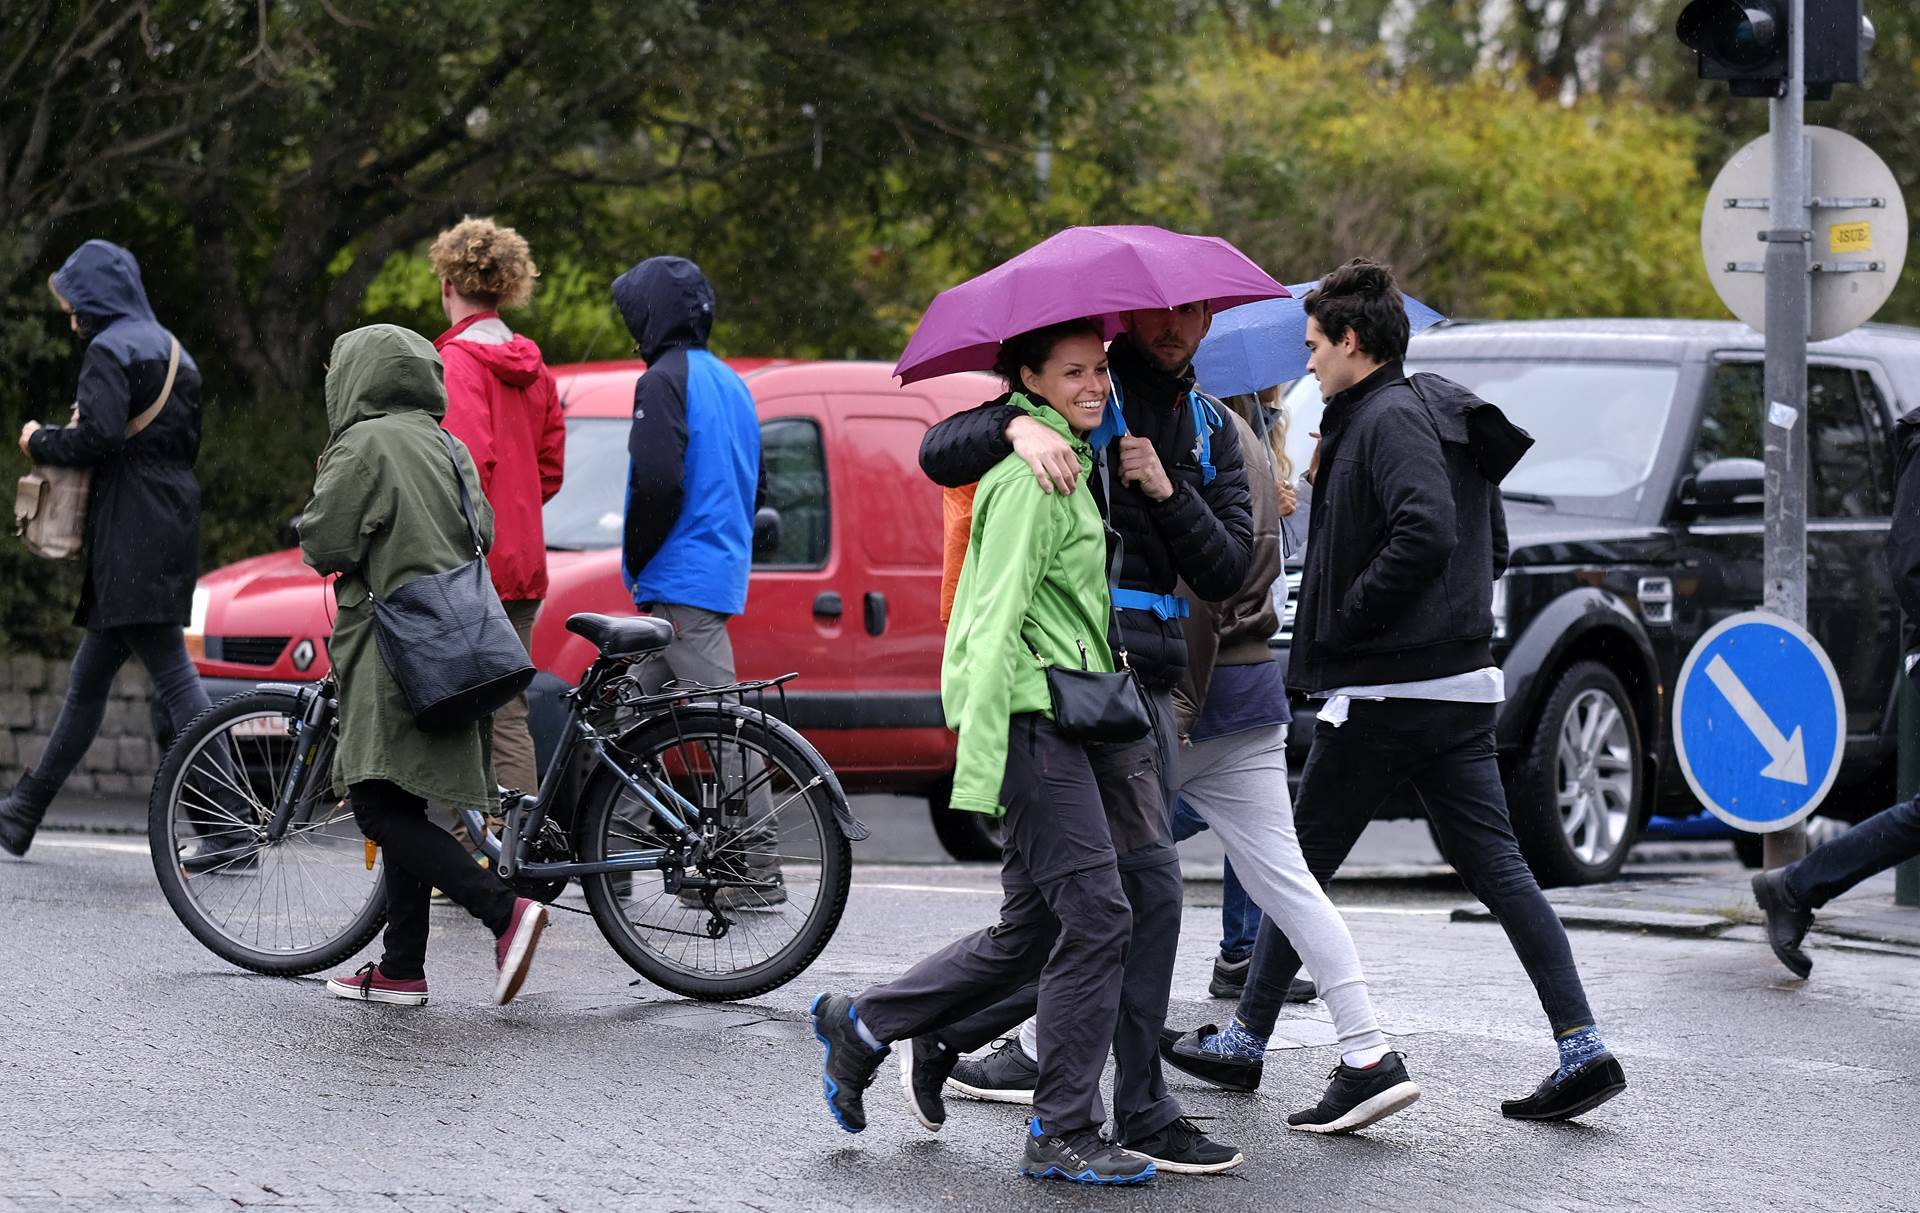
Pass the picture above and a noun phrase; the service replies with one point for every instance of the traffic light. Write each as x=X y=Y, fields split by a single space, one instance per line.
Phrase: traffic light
x=1745 y=42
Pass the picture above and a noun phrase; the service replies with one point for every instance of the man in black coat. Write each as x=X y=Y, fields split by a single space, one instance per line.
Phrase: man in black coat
x=1394 y=632
x=1791 y=894
x=1173 y=486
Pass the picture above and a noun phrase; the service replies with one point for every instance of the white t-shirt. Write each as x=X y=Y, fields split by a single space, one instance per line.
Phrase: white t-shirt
x=1488 y=685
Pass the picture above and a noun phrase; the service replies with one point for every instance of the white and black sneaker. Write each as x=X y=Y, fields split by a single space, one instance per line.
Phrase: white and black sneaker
x=1181 y=1148
x=1083 y=1157
x=1005 y=1074
x=1359 y=1097
x=924 y=1066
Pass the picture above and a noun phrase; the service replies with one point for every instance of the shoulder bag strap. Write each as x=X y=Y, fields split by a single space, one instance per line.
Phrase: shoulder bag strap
x=147 y=415
x=466 y=503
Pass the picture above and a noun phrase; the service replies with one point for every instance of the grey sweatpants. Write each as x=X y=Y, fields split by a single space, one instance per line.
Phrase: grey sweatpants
x=1238 y=783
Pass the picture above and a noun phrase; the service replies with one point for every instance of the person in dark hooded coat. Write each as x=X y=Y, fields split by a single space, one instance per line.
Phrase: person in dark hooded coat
x=142 y=547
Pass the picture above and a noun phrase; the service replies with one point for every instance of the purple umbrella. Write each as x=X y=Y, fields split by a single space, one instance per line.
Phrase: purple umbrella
x=1083 y=271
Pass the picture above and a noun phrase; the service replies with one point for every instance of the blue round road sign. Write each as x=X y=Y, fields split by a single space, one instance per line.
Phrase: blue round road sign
x=1759 y=722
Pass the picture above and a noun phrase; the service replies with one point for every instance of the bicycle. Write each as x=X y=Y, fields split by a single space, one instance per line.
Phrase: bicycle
x=711 y=840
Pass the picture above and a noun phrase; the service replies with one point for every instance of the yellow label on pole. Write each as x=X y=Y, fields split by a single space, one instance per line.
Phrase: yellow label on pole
x=1851 y=237
x=372 y=850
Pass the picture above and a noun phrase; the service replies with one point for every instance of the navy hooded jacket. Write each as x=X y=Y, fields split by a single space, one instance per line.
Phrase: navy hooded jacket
x=143 y=509
x=694 y=477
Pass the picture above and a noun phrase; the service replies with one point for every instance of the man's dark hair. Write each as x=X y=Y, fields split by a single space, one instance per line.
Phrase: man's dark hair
x=1032 y=348
x=1361 y=295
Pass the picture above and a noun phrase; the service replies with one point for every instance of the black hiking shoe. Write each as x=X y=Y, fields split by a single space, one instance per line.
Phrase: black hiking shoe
x=1787 y=923
x=1229 y=976
x=1182 y=1149
x=1082 y=1157
x=1182 y=1051
x=1581 y=1091
x=850 y=1063
x=924 y=1066
x=1302 y=990
x=1358 y=1097
x=1004 y=1075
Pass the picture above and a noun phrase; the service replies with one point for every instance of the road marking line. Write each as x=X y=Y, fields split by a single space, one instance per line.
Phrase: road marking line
x=123 y=848
x=1403 y=911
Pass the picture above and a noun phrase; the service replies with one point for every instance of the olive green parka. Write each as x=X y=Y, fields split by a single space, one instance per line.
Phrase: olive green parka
x=386 y=510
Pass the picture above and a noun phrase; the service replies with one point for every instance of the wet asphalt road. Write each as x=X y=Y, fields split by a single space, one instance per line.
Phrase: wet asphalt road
x=137 y=1071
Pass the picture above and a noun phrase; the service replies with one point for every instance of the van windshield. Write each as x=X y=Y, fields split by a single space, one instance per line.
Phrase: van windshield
x=1596 y=425
x=591 y=506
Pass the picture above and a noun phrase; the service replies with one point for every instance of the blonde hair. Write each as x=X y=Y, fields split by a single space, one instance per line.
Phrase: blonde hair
x=485 y=262
x=1277 y=439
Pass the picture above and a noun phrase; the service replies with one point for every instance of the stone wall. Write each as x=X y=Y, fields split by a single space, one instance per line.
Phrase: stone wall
x=123 y=758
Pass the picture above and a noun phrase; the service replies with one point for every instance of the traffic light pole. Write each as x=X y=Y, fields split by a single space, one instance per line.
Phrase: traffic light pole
x=1785 y=424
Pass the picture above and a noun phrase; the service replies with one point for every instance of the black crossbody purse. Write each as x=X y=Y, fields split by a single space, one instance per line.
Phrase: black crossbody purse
x=1090 y=705
x=446 y=639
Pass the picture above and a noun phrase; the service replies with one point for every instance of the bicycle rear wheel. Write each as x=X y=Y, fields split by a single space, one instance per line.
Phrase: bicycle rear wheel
x=303 y=903
x=782 y=863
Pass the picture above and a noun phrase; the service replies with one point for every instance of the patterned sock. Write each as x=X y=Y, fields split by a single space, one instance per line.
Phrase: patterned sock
x=1235 y=1041
x=1579 y=1048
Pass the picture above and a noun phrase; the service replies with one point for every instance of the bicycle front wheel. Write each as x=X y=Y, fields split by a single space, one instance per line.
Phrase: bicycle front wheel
x=302 y=903
x=760 y=901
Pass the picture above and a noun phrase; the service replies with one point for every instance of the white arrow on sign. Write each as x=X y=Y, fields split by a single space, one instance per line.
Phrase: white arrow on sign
x=1789 y=757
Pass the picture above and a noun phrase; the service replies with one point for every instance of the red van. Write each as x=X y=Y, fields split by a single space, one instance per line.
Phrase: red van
x=846 y=572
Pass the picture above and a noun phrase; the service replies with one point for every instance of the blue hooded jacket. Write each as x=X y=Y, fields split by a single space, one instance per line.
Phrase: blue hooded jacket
x=143 y=509
x=694 y=478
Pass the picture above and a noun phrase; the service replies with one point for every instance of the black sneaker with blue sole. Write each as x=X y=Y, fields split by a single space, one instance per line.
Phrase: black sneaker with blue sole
x=850 y=1063
x=1081 y=1157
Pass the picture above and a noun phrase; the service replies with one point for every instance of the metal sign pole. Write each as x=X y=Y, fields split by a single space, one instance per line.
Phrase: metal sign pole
x=1785 y=424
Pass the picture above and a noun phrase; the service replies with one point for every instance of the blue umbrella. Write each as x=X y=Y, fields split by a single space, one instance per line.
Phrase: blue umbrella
x=1259 y=345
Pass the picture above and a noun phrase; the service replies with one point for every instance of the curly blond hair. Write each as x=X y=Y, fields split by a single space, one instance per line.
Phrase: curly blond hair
x=485 y=262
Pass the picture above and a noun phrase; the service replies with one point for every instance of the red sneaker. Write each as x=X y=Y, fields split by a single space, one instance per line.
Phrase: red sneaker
x=513 y=953
x=369 y=984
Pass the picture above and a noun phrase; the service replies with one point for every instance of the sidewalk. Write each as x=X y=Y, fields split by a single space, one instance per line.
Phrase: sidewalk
x=1710 y=906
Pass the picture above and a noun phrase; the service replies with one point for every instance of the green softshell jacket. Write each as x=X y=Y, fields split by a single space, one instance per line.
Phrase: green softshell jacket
x=385 y=510
x=1032 y=594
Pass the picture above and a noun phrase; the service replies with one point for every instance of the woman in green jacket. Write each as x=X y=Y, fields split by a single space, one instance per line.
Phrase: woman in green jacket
x=385 y=510
x=1032 y=594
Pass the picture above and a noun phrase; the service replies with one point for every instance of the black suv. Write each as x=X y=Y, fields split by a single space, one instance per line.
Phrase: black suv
x=1636 y=526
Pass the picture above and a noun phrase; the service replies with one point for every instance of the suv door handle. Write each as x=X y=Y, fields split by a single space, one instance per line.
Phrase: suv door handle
x=876 y=605
x=827 y=603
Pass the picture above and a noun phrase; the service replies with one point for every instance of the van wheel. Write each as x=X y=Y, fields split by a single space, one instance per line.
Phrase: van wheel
x=968 y=837
x=1575 y=796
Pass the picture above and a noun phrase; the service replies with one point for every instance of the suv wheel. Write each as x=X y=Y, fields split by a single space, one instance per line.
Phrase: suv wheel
x=968 y=837
x=1576 y=794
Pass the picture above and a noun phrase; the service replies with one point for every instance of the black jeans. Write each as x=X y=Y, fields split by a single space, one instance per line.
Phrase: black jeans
x=1445 y=753
x=161 y=648
x=1063 y=926
x=421 y=857
x=1874 y=845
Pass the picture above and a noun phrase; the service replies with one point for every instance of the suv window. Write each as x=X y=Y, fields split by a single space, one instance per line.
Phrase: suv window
x=797 y=488
x=1847 y=476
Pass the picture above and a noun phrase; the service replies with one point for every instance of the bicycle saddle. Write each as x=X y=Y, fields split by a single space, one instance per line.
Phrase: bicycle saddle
x=622 y=637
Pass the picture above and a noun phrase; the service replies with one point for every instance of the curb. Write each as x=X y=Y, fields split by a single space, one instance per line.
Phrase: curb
x=1594 y=918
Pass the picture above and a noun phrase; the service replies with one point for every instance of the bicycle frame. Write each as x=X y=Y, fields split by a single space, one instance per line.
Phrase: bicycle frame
x=526 y=816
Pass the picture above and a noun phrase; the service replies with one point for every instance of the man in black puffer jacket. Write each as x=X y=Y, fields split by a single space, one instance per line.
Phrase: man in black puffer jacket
x=1173 y=485
x=1394 y=632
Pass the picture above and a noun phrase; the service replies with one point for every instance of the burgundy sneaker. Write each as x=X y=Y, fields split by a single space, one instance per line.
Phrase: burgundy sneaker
x=513 y=952
x=369 y=984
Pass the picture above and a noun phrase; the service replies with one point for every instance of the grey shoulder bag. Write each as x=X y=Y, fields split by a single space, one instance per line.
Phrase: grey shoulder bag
x=446 y=639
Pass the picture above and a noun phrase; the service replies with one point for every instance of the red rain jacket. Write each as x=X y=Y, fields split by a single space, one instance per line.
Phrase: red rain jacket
x=501 y=402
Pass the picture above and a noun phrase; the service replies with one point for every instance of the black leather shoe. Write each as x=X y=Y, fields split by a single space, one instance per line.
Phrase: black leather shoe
x=1581 y=1091
x=1302 y=990
x=1787 y=923
x=1182 y=1051
x=1229 y=976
